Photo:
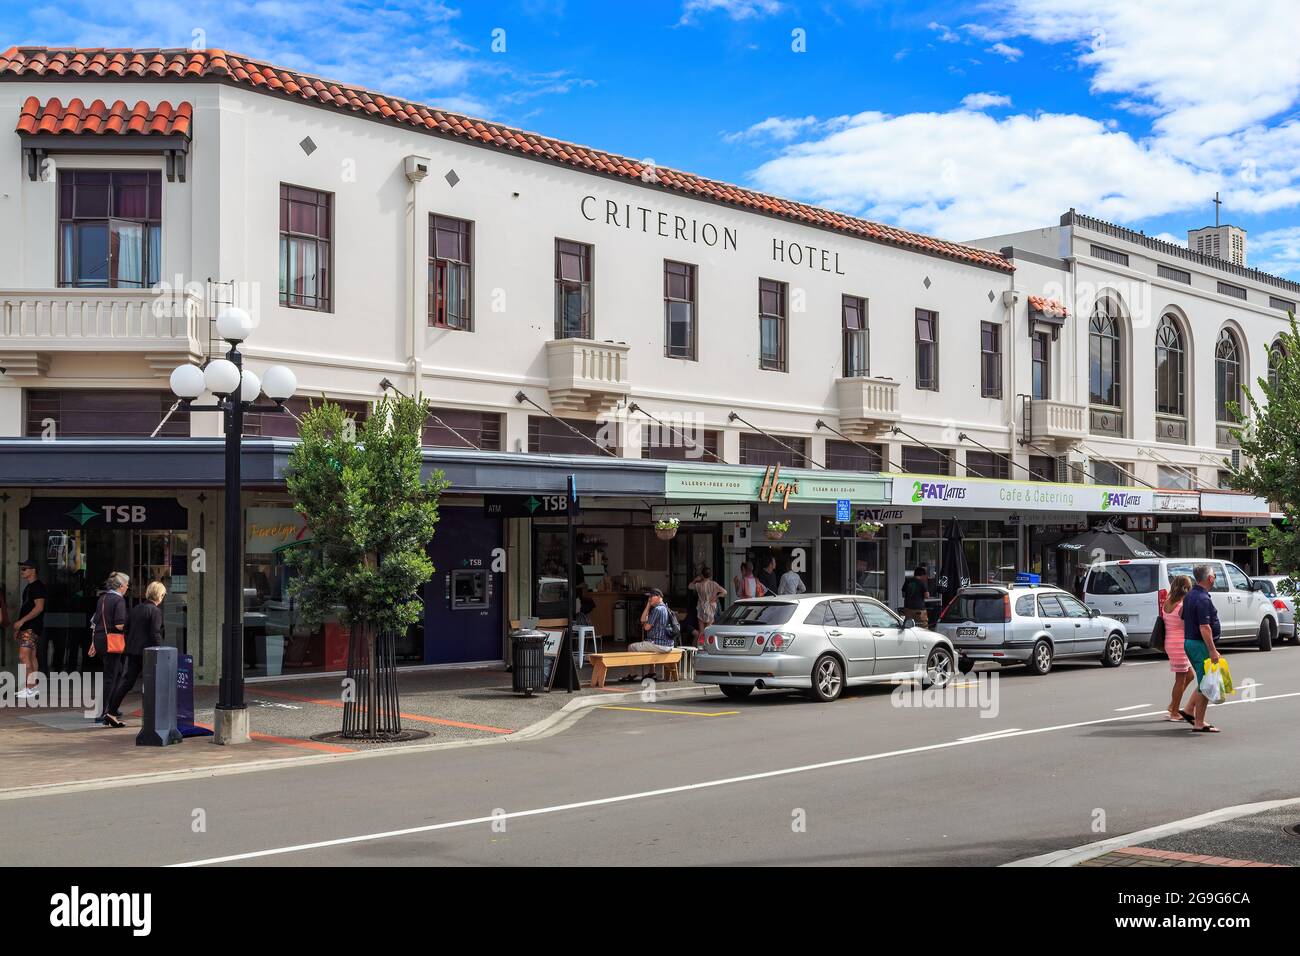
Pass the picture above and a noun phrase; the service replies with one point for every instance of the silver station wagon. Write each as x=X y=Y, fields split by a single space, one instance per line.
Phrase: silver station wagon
x=1031 y=625
x=818 y=643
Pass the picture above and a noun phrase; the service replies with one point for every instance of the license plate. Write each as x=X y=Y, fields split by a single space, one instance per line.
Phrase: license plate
x=1123 y=618
x=968 y=632
x=734 y=641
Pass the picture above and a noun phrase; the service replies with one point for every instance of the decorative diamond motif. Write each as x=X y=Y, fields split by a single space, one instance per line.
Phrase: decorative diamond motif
x=452 y=178
x=308 y=146
x=927 y=282
x=991 y=295
x=81 y=513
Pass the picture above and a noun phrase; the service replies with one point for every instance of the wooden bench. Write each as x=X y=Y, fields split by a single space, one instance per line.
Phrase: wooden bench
x=601 y=663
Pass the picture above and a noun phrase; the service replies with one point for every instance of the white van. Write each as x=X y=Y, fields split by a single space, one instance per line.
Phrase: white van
x=1133 y=591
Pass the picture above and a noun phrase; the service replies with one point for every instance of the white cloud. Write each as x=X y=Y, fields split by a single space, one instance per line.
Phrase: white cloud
x=964 y=174
x=779 y=128
x=983 y=101
x=1006 y=51
x=735 y=9
x=1276 y=251
x=945 y=35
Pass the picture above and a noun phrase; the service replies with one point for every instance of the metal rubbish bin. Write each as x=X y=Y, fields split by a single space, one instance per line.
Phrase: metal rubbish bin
x=527 y=660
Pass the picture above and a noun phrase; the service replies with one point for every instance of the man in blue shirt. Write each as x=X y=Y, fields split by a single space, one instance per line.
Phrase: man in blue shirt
x=654 y=621
x=1200 y=628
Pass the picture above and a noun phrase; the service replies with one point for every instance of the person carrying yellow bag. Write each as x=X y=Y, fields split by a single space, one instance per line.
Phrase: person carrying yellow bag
x=1216 y=685
x=1200 y=631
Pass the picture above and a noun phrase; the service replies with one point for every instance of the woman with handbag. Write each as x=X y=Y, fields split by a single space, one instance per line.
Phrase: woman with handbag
x=1171 y=615
x=144 y=628
x=108 y=638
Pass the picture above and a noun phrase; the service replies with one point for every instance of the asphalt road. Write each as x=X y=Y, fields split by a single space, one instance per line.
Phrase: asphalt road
x=1071 y=758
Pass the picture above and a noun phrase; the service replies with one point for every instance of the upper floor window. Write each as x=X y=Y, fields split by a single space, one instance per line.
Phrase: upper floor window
x=680 y=444
x=306 y=231
x=1227 y=376
x=1276 y=356
x=449 y=273
x=857 y=345
x=572 y=436
x=1042 y=468
x=788 y=451
x=110 y=229
x=103 y=413
x=1041 y=346
x=927 y=349
x=853 y=456
x=679 y=309
x=572 y=290
x=990 y=360
x=919 y=460
x=1171 y=369
x=462 y=428
x=987 y=464
x=771 y=324
x=1104 y=354
x=1110 y=472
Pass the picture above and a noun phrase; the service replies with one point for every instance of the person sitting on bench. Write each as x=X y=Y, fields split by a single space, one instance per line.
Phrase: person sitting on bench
x=654 y=621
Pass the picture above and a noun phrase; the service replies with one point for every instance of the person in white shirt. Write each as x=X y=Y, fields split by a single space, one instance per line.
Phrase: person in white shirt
x=790 y=583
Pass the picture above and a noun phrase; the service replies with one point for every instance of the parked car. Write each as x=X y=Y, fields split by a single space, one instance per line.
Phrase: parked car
x=819 y=643
x=1133 y=591
x=1281 y=590
x=1031 y=625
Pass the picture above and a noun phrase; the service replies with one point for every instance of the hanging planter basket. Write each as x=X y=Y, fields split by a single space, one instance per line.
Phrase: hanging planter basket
x=867 y=530
x=776 y=530
x=666 y=530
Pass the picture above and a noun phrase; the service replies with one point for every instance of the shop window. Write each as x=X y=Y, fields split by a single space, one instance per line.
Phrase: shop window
x=762 y=450
x=110 y=229
x=460 y=428
x=306 y=249
x=679 y=444
x=548 y=436
x=847 y=456
x=919 y=460
x=282 y=425
x=986 y=464
x=573 y=312
x=449 y=273
x=102 y=413
x=679 y=310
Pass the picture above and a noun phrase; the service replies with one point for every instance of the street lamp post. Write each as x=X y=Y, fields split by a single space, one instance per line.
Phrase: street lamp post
x=235 y=390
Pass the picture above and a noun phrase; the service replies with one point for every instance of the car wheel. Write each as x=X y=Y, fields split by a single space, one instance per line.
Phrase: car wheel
x=1266 y=634
x=965 y=665
x=939 y=669
x=827 y=678
x=736 y=691
x=1113 y=655
x=1040 y=659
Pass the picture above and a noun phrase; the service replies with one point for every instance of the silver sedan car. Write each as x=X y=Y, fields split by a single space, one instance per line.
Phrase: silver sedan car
x=1031 y=625
x=818 y=643
x=1281 y=590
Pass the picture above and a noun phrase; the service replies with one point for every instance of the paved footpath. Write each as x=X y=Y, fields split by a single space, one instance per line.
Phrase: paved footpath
x=705 y=780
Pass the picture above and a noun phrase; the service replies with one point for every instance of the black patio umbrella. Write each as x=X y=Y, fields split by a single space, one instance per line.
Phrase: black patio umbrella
x=954 y=572
x=1106 y=541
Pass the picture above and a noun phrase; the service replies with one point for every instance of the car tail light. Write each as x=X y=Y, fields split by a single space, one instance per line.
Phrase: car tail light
x=1279 y=604
x=1006 y=608
x=778 y=641
x=712 y=641
x=758 y=641
x=1161 y=597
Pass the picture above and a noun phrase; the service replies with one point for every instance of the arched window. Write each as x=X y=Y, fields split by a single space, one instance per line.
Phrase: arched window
x=1104 y=354
x=1227 y=375
x=1171 y=369
x=1276 y=353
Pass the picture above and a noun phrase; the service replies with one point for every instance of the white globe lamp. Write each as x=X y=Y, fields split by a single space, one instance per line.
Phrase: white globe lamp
x=234 y=324
x=188 y=382
x=279 y=383
x=251 y=387
x=221 y=377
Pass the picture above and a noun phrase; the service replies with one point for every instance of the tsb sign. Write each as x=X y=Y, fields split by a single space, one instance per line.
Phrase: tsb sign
x=125 y=514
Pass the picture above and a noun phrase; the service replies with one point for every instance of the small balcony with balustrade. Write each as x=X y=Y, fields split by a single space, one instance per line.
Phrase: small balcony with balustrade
x=586 y=376
x=868 y=406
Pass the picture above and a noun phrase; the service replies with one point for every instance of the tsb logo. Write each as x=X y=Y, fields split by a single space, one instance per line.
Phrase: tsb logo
x=124 y=514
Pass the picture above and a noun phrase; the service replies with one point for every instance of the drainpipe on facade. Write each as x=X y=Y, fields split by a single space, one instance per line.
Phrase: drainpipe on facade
x=413 y=360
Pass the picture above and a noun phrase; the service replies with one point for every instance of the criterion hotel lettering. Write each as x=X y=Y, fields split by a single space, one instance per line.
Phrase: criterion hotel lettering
x=811 y=256
x=666 y=225
x=773 y=487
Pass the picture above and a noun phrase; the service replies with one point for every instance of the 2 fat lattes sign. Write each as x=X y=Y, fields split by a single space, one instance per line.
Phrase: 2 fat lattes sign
x=645 y=219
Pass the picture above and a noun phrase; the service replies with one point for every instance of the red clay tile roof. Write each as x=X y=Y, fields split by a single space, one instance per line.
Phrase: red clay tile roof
x=222 y=66
x=1039 y=303
x=54 y=118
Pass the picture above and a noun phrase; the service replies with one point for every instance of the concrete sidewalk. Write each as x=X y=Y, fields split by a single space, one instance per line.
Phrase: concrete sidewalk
x=1255 y=840
x=45 y=747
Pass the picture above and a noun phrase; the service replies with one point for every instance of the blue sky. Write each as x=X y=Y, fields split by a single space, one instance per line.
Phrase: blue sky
x=955 y=119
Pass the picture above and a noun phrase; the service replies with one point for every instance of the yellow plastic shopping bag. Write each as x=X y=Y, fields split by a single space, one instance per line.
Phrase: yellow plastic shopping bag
x=1221 y=667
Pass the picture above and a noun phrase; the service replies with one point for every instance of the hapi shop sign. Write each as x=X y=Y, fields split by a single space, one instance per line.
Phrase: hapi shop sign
x=942 y=492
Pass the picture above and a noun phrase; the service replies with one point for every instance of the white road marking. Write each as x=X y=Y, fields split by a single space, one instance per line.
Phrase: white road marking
x=991 y=733
x=1120 y=710
x=684 y=788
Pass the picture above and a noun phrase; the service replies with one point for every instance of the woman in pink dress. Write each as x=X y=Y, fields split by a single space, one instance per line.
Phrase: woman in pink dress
x=1172 y=614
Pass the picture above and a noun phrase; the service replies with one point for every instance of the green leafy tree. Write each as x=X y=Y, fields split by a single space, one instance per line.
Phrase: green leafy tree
x=370 y=514
x=1270 y=449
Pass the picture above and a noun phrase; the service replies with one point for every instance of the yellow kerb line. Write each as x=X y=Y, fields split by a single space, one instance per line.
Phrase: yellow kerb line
x=660 y=710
